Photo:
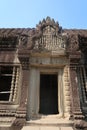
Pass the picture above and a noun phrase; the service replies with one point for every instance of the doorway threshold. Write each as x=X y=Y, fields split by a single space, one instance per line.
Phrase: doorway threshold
x=50 y=120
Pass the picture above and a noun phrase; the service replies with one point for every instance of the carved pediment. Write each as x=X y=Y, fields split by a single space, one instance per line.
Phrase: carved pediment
x=50 y=39
x=47 y=36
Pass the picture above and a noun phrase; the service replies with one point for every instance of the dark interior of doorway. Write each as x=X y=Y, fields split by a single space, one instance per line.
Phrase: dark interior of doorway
x=48 y=94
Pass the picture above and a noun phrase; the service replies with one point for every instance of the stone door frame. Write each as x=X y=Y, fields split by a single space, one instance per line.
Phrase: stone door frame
x=34 y=90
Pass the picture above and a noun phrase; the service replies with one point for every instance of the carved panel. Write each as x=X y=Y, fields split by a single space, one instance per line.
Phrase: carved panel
x=50 y=40
x=48 y=61
x=73 y=43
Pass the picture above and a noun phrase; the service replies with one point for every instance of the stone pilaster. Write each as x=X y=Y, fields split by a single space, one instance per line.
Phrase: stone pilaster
x=75 y=94
x=21 y=110
x=60 y=93
x=76 y=108
x=33 y=98
x=75 y=58
x=67 y=96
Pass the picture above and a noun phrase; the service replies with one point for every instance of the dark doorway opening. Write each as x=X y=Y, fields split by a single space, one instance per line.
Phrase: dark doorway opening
x=48 y=94
x=5 y=82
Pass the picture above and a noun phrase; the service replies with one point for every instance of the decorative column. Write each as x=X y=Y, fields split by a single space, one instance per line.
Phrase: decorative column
x=75 y=93
x=25 y=81
x=60 y=92
x=76 y=108
x=16 y=83
x=12 y=84
x=83 y=85
x=22 y=109
x=67 y=94
x=33 y=93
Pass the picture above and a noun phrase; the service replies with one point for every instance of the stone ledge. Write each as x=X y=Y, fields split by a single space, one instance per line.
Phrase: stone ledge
x=46 y=128
x=50 y=121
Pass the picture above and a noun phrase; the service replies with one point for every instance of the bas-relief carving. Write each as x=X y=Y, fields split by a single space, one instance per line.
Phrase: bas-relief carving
x=72 y=43
x=46 y=37
x=50 y=41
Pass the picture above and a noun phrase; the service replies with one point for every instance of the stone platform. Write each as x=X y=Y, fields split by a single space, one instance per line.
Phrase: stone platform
x=49 y=123
x=46 y=128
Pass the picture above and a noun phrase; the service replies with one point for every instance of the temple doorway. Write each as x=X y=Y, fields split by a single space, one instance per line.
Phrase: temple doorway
x=48 y=94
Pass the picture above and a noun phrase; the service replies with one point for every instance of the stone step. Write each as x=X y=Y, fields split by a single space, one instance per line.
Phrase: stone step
x=46 y=128
x=48 y=123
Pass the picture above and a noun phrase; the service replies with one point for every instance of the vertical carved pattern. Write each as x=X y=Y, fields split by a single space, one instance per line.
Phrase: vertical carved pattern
x=77 y=113
x=67 y=90
x=24 y=88
x=50 y=40
x=12 y=85
x=83 y=82
x=16 y=83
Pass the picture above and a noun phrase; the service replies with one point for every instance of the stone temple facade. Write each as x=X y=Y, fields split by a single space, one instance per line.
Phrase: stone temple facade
x=43 y=78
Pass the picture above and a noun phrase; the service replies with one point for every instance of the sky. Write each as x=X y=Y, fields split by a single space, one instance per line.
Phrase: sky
x=71 y=14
